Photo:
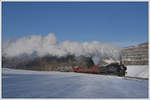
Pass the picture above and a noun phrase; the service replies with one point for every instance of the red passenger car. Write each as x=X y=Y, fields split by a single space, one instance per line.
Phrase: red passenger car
x=93 y=69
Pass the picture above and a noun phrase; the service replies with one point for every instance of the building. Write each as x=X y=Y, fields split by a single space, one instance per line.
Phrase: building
x=135 y=55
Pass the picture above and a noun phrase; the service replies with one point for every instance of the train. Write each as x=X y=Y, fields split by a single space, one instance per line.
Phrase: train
x=110 y=69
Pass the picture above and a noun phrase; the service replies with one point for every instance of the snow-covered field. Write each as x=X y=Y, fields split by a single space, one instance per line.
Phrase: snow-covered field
x=36 y=84
x=140 y=71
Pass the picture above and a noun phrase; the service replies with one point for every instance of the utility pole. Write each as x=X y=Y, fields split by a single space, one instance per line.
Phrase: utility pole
x=120 y=59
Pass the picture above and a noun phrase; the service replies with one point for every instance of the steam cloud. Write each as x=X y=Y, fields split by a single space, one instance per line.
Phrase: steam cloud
x=49 y=45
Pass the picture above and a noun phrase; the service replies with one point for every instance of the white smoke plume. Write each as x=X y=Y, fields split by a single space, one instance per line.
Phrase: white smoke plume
x=49 y=45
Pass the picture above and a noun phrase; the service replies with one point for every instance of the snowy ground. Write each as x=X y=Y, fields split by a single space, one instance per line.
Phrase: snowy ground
x=140 y=71
x=35 y=84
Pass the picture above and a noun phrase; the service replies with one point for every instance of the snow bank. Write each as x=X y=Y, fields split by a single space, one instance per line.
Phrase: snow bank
x=29 y=72
x=109 y=61
x=140 y=71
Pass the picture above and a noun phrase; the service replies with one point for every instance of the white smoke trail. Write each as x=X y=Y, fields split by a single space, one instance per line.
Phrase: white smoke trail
x=49 y=45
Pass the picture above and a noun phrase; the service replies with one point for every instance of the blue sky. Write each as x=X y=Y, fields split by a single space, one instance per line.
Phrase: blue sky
x=120 y=23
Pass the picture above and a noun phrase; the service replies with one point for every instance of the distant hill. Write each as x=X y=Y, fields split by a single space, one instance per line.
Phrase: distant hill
x=135 y=55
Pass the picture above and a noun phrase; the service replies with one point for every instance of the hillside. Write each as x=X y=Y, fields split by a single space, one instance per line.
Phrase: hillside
x=47 y=63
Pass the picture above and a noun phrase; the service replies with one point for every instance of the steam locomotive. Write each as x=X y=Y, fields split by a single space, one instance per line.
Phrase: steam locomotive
x=110 y=69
